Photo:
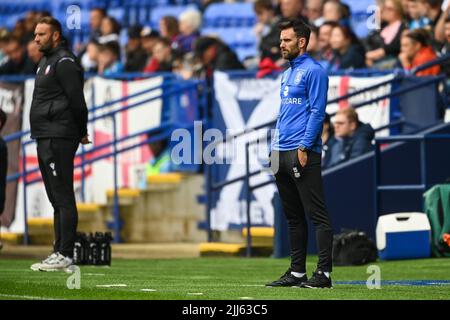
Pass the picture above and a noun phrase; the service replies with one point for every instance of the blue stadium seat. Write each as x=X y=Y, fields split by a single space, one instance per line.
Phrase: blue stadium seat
x=235 y=37
x=246 y=52
x=359 y=5
x=117 y=13
x=229 y=15
x=159 y=12
x=359 y=24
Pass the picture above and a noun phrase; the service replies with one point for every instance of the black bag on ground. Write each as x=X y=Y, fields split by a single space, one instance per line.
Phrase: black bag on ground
x=352 y=247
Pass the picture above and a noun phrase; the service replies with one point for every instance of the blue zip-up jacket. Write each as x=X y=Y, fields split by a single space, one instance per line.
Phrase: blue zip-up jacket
x=304 y=88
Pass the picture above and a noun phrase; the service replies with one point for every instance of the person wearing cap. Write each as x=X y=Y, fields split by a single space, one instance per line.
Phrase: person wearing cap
x=136 y=57
x=149 y=37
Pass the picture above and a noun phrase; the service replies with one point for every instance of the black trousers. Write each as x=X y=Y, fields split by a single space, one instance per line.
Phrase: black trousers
x=56 y=156
x=301 y=193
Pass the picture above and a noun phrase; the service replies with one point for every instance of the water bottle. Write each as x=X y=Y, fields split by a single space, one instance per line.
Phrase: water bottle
x=78 y=249
x=93 y=250
x=108 y=255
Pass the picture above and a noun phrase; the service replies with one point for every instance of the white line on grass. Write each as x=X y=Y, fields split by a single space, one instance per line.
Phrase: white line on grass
x=195 y=293
x=16 y=296
x=148 y=290
x=252 y=285
x=110 y=285
x=246 y=298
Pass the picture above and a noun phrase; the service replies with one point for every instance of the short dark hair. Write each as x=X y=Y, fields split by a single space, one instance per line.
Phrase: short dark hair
x=3 y=118
x=301 y=29
x=434 y=3
x=164 y=41
x=101 y=10
x=447 y=20
x=263 y=5
x=111 y=46
x=421 y=36
x=53 y=23
x=329 y=23
x=16 y=39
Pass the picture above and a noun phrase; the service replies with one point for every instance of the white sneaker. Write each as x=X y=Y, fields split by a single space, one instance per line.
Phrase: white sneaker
x=59 y=263
x=35 y=267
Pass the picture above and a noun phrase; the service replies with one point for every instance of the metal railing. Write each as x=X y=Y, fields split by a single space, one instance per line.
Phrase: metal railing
x=423 y=186
x=248 y=189
x=163 y=131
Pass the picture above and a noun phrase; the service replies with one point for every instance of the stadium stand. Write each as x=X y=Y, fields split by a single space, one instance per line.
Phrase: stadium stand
x=170 y=207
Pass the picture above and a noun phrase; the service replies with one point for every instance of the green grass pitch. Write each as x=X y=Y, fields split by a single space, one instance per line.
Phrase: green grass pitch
x=222 y=279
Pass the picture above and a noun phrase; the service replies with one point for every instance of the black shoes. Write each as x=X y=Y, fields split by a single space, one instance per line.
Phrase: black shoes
x=288 y=280
x=318 y=280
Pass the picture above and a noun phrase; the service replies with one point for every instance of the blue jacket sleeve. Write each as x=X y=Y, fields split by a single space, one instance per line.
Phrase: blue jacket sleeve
x=317 y=90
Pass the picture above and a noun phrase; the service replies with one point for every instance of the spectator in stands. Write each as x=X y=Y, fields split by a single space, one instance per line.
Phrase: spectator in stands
x=29 y=24
x=19 y=29
x=326 y=52
x=162 y=57
x=169 y=28
x=333 y=11
x=212 y=54
x=404 y=4
x=149 y=37
x=18 y=60
x=314 y=12
x=348 y=52
x=109 y=58
x=327 y=136
x=384 y=46
x=33 y=52
x=313 y=48
x=136 y=57
x=416 y=15
x=189 y=24
x=89 y=60
x=267 y=32
x=3 y=166
x=432 y=11
x=416 y=50
x=292 y=9
x=109 y=30
x=352 y=138
x=95 y=22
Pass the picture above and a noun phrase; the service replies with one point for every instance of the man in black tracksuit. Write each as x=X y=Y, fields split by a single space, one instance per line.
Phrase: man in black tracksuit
x=58 y=120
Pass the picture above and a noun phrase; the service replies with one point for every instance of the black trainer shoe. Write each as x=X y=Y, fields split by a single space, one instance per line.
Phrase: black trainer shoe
x=288 y=280
x=318 y=280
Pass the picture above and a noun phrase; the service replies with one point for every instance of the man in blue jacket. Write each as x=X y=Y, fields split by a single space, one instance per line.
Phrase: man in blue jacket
x=296 y=157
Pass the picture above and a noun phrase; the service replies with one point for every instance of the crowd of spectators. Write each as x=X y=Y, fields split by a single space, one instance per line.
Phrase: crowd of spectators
x=410 y=32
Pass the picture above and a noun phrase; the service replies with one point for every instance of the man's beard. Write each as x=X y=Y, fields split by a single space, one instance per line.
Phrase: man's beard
x=291 y=55
x=45 y=48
